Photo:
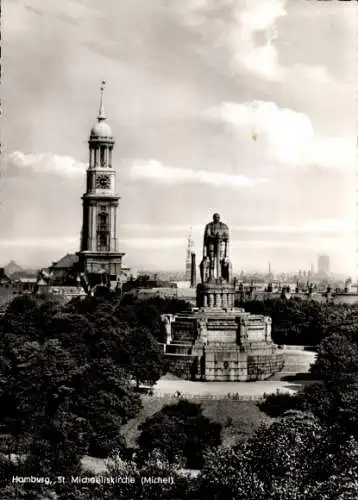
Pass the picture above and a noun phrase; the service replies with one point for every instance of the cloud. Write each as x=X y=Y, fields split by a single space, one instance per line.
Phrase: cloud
x=71 y=242
x=246 y=36
x=46 y=163
x=233 y=25
x=314 y=244
x=328 y=225
x=47 y=243
x=333 y=226
x=335 y=152
x=152 y=243
x=258 y=16
x=317 y=244
x=287 y=135
x=143 y=228
x=155 y=172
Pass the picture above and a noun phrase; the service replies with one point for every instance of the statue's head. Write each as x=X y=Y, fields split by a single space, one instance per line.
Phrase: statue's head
x=216 y=217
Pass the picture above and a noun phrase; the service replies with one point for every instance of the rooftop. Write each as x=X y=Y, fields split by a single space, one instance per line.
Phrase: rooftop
x=69 y=260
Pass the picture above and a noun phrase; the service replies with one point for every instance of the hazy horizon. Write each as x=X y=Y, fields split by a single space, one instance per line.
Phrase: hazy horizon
x=173 y=271
x=223 y=107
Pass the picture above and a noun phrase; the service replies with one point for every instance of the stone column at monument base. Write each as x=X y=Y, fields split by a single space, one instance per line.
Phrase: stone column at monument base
x=218 y=295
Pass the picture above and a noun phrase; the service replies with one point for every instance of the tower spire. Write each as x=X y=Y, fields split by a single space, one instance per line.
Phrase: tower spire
x=101 y=114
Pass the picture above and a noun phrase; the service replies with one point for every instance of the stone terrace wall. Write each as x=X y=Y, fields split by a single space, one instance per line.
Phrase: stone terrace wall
x=262 y=366
x=229 y=364
x=182 y=365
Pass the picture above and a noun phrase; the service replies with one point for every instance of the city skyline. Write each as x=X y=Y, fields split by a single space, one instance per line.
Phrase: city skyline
x=213 y=108
x=302 y=272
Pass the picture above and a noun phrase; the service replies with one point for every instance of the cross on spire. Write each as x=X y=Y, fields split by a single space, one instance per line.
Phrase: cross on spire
x=101 y=114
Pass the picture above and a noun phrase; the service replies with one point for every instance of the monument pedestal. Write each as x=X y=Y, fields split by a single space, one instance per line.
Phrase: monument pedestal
x=216 y=344
x=215 y=294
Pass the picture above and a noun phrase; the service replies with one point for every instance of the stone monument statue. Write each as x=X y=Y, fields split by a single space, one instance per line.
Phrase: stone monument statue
x=217 y=341
x=215 y=265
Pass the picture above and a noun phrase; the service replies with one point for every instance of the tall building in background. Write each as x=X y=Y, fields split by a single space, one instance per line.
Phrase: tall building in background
x=99 y=258
x=323 y=264
x=188 y=259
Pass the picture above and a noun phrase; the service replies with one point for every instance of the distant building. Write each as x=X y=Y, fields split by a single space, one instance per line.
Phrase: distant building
x=182 y=284
x=188 y=259
x=25 y=284
x=24 y=280
x=323 y=267
x=187 y=294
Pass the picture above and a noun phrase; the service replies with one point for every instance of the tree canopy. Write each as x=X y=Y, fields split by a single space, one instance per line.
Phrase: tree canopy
x=66 y=374
x=180 y=431
x=304 y=322
x=66 y=389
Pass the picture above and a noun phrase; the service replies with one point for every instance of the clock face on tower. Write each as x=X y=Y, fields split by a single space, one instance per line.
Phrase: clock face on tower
x=103 y=181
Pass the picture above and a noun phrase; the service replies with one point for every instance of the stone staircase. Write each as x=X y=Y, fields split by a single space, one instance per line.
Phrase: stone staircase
x=182 y=338
x=186 y=333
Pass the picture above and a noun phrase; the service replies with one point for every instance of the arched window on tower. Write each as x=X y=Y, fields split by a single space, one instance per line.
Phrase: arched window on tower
x=103 y=156
x=102 y=232
x=95 y=156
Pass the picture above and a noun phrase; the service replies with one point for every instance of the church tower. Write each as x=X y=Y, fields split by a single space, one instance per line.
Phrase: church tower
x=99 y=258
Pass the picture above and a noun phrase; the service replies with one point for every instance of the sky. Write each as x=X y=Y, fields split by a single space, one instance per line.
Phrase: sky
x=243 y=107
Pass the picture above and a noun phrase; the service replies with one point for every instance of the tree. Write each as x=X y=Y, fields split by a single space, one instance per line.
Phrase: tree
x=147 y=313
x=115 y=333
x=279 y=452
x=275 y=463
x=303 y=322
x=295 y=457
x=154 y=479
x=37 y=381
x=227 y=473
x=56 y=447
x=34 y=381
x=107 y=402
x=75 y=333
x=180 y=431
x=334 y=398
x=338 y=469
x=337 y=355
x=22 y=318
x=142 y=355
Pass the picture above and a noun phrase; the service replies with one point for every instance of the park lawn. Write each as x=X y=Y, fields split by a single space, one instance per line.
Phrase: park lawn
x=239 y=418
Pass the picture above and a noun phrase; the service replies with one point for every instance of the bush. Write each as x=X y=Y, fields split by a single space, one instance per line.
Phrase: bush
x=275 y=405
